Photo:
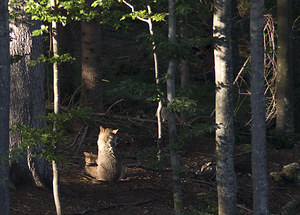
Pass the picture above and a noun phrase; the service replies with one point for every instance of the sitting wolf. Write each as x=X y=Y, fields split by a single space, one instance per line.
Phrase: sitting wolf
x=108 y=165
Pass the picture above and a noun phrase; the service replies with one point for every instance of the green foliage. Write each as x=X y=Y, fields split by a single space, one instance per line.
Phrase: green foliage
x=3 y=181
x=132 y=89
x=42 y=141
x=157 y=17
x=187 y=133
x=59 y=59
x=208 y=204
x=149 y=158
x=65 y=11
x=183 y=105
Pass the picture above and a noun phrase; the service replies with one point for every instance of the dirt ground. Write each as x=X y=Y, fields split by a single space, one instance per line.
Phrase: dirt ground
x=144 y=191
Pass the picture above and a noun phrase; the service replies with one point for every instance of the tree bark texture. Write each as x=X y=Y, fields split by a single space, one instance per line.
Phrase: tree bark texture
x=27 y=96
x=4 y=107
x=258 y=127
x=91 y=92
x=226 y=179
x=284 y=76
x=177 y=189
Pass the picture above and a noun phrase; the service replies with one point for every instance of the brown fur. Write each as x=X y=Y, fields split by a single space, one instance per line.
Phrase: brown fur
x=90 y=159
x=107 y=165
x=109 y=162
x=90 y=164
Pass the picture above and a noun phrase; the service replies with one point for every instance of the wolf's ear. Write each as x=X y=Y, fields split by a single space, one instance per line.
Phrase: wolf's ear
x=86 y=153
x=115 y=131
x=101 y=128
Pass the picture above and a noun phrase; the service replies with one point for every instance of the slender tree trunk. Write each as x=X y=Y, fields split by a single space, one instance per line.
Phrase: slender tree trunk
x=226 y=179
x=4 y=107
x=27 y=95
x=177 y=190
x=55 y=182
x=284 y=77
x=258 y=128
x=156 y=75
x=91 y=91
x=184 y=73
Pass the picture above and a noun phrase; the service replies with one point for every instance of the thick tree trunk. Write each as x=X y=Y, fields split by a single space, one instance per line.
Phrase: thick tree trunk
x=226 y=179
x=177 y=190
x=258 y=128
x=91 y=92
x=284 y=76
x=4 y=107
x=27 y=96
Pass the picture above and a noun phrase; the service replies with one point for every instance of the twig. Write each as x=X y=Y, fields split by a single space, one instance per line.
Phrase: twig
x=108 y=109
x=244 y=208
x=82 y=139
x=142 y=202
x=76 y=138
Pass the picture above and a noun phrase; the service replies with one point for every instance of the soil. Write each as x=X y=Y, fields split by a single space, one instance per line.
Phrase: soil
x=148 y=191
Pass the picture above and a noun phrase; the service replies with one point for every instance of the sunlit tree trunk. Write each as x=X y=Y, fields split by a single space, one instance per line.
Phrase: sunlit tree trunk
x=226 y=179
x=56 y=96
x=258 y=127
x=284 y=76
x=4 y=107
x=177 y=190
x=26 y=95
x=156 y=75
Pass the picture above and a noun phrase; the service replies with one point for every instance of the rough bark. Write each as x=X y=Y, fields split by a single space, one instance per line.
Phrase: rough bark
x=4 y=107
x=91 y=91
x=258 y=127
x=177 y=189
x=27 y=96
x=284 y=76
x=225 y=174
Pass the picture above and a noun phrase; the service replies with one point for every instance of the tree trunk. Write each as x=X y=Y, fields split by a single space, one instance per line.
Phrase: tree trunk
x=56 y=96
x=226 y=179
x=177 y=190
x=27 y=96
x=91 y=92
x=258 y=132
x=4 y=107
x=235 y=32
x=284 y=76
x=69 y=71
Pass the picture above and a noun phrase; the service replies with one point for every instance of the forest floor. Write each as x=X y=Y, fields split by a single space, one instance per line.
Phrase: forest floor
x=145 y=191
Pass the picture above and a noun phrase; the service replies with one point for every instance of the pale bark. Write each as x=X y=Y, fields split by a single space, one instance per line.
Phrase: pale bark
x=258 y=127
x=284 y=76
x=4 y=107
x=156 y=75
x=177 y=189
x=27 y=95
x=225 y=174
x=56 y=96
